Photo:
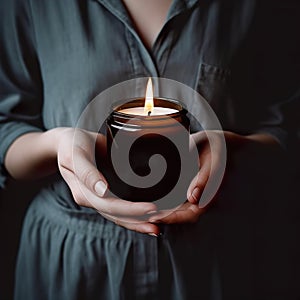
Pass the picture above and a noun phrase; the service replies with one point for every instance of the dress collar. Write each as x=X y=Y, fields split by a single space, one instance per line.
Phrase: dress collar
x=117 y=8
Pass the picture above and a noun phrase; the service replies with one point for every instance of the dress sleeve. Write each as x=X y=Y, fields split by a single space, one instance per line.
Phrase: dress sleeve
x=20 y=80
x=279 y=64
x=270 y=85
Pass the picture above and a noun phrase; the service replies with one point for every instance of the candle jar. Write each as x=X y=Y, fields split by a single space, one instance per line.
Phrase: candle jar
x=140 y=145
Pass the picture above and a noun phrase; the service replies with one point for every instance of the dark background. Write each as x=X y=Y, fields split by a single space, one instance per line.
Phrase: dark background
x=14 y=200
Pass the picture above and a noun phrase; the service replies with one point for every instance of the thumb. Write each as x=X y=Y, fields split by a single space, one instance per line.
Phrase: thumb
x=198 y=184
x=87 y=172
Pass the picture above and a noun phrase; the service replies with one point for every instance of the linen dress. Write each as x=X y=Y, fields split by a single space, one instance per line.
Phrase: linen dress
x=58 y=55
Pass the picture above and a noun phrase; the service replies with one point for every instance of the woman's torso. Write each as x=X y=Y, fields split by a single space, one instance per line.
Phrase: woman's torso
x=95 y=46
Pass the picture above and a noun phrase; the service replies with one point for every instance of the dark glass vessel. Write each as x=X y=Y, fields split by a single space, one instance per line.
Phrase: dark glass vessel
x=133 y=142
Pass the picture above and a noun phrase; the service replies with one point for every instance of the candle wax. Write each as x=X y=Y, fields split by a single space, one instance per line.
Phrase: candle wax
x=156 y=111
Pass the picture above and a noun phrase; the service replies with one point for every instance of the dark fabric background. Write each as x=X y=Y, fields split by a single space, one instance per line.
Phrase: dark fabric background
x=13 y=203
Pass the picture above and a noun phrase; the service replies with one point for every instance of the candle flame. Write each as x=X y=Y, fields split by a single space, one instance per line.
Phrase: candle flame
x=149 y=103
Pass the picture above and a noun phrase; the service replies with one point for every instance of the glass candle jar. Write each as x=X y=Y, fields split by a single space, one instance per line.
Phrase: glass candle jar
x=144 y=151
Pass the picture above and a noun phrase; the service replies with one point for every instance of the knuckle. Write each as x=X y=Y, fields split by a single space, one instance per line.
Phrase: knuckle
x=88 y=177
x=78 y=194
x=78 y=197
x=117 y=222
x=109 y=210
x=65 y=159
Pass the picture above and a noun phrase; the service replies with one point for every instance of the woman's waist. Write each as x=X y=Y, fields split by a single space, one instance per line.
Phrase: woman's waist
x=48 y=207
x=55 y=203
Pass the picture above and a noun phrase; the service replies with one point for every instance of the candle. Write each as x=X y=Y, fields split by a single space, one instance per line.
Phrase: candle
x=148 y=109
x=140 y=111
x=136 y=132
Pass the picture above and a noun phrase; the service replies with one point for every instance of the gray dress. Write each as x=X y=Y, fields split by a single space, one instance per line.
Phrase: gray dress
x=58 y=55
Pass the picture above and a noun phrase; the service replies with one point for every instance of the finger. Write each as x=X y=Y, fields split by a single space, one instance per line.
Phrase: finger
x=186 y=214
x=118 y=207
x=110 y=205
x=198 y=183
x=84 y=162
x=126 y=222
x=75 y=189
x=86 y=171
x=161 y=214
x=209 y=174
x=135 y=225
x=115 y=206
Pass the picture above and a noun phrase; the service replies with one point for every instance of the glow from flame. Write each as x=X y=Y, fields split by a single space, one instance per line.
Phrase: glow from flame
x=149 y=104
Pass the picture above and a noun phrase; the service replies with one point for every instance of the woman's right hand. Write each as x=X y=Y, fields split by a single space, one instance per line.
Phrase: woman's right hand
x=76 y=163
x=35 y=155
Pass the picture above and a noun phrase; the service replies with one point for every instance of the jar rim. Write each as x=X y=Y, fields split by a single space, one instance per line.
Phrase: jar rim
x=159 y=102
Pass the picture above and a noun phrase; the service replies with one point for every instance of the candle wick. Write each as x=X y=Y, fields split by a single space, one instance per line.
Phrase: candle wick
x=149 y=113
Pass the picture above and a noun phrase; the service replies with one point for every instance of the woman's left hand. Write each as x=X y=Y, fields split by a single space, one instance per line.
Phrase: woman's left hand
x=240 y=150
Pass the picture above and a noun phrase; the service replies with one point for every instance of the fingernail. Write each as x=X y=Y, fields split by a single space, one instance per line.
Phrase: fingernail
x=153 y=234
x=151 y=212
x=196 y=194
x=100 y=188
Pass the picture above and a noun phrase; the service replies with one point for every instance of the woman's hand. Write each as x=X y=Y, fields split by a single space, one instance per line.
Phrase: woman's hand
x=76 y=162
x=38 y=154
x=257 y=151
x=34 y=155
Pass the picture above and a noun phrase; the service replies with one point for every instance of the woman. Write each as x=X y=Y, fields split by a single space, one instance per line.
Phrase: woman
x=55 y=59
